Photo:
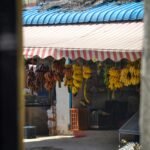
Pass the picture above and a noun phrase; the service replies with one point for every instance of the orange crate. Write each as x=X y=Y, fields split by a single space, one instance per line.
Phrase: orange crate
x=79 y=119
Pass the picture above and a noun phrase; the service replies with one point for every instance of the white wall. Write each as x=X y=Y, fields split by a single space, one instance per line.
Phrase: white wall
x=62 y=109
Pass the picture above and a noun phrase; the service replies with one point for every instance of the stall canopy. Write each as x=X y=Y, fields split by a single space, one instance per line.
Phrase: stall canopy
x=93 y=41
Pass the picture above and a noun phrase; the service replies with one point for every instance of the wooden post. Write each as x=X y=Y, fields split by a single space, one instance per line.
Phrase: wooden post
x=11 y=76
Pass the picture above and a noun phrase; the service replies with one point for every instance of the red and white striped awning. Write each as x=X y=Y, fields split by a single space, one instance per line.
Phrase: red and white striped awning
x=98 y=41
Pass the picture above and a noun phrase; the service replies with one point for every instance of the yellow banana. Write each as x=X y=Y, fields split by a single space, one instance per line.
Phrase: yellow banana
x=77 y=83
x=86 y=75
x=87 y=69
x=78 y=77
x=76 y=67
x=74 y=90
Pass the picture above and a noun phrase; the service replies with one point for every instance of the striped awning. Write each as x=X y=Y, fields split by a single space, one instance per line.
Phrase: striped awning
x=98 y=41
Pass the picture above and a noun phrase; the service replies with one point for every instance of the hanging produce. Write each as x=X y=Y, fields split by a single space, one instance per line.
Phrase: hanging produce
x=26 y=69
x=85 y=92
x=130 y=75
x=68 y=73
x=50 y=80
x=58 y=70
x=114 y=82
x=106 y=81
x=31 y=81
x=87 y=72
x=77 y=78
x=39 y=75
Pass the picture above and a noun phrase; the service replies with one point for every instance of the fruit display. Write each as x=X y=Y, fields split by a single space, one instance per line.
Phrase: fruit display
x=31 y=81
x=39 y=75
x=87 y=72
x=58 y=69
x=114 y=82
x=130 y=75
x=50 y=80
x=68 y=76
x=77 y=78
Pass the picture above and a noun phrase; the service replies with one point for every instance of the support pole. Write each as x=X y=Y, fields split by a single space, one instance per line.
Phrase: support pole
x=145 y=83
x=70 y=94
x=70 y=99
x=11 y=76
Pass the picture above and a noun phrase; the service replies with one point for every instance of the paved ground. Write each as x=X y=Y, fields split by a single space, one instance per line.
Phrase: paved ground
x=93 y=140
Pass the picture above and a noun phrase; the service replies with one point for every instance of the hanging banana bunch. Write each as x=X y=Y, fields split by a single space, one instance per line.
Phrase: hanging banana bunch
x=114 y=82
x=106 y=75
x=58 y=69
x=87 y=72
x=77 y=78
x=85 y=92
x=68 y=73
x=130 y=75
x=50 y=80
x=39 y=75
x=31 y=81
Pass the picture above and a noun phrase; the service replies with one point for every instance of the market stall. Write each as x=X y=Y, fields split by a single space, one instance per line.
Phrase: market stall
x=104 y=64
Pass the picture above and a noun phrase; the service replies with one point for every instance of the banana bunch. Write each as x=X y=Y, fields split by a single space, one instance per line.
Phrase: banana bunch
x=87 y=72
x=85 y=93
x=135 y=80
x=77 y=78
x=39 y=75
x=68 y=73
x=58 y=68
x=31 y=81
x=50 y=80
x=114 y=79
x=135 y=71
x=130 y=75
x=125 y=76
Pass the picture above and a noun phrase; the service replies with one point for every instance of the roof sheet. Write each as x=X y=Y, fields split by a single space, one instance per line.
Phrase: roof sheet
x=105 y=12
x=114 y=37
x=131 y=126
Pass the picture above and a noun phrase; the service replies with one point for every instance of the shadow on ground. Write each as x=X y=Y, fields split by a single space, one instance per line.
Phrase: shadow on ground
x=93 y=140
x=43 y=148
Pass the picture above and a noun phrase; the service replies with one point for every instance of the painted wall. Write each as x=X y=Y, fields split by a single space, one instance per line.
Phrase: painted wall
x=62 y=109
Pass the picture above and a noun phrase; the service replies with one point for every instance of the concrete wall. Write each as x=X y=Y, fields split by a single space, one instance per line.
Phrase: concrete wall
x=37 y=116
x=62 y=109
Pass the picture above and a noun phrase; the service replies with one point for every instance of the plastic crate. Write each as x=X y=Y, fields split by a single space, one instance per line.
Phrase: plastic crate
x=79 y=119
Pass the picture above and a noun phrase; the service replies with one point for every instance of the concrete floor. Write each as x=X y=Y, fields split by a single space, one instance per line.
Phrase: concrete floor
x=93 y=140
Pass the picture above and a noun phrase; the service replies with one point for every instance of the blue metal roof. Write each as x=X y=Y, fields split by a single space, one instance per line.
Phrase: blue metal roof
x=103 y=13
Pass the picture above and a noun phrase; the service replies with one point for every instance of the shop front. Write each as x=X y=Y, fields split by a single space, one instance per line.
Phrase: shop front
x=94 y=68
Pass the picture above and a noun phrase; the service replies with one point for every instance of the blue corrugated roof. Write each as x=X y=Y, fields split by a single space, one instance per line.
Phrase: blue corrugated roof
x=106 y=12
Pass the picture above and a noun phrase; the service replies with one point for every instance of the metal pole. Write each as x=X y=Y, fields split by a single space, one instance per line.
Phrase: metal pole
x=70 y=94
x=70 y=100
